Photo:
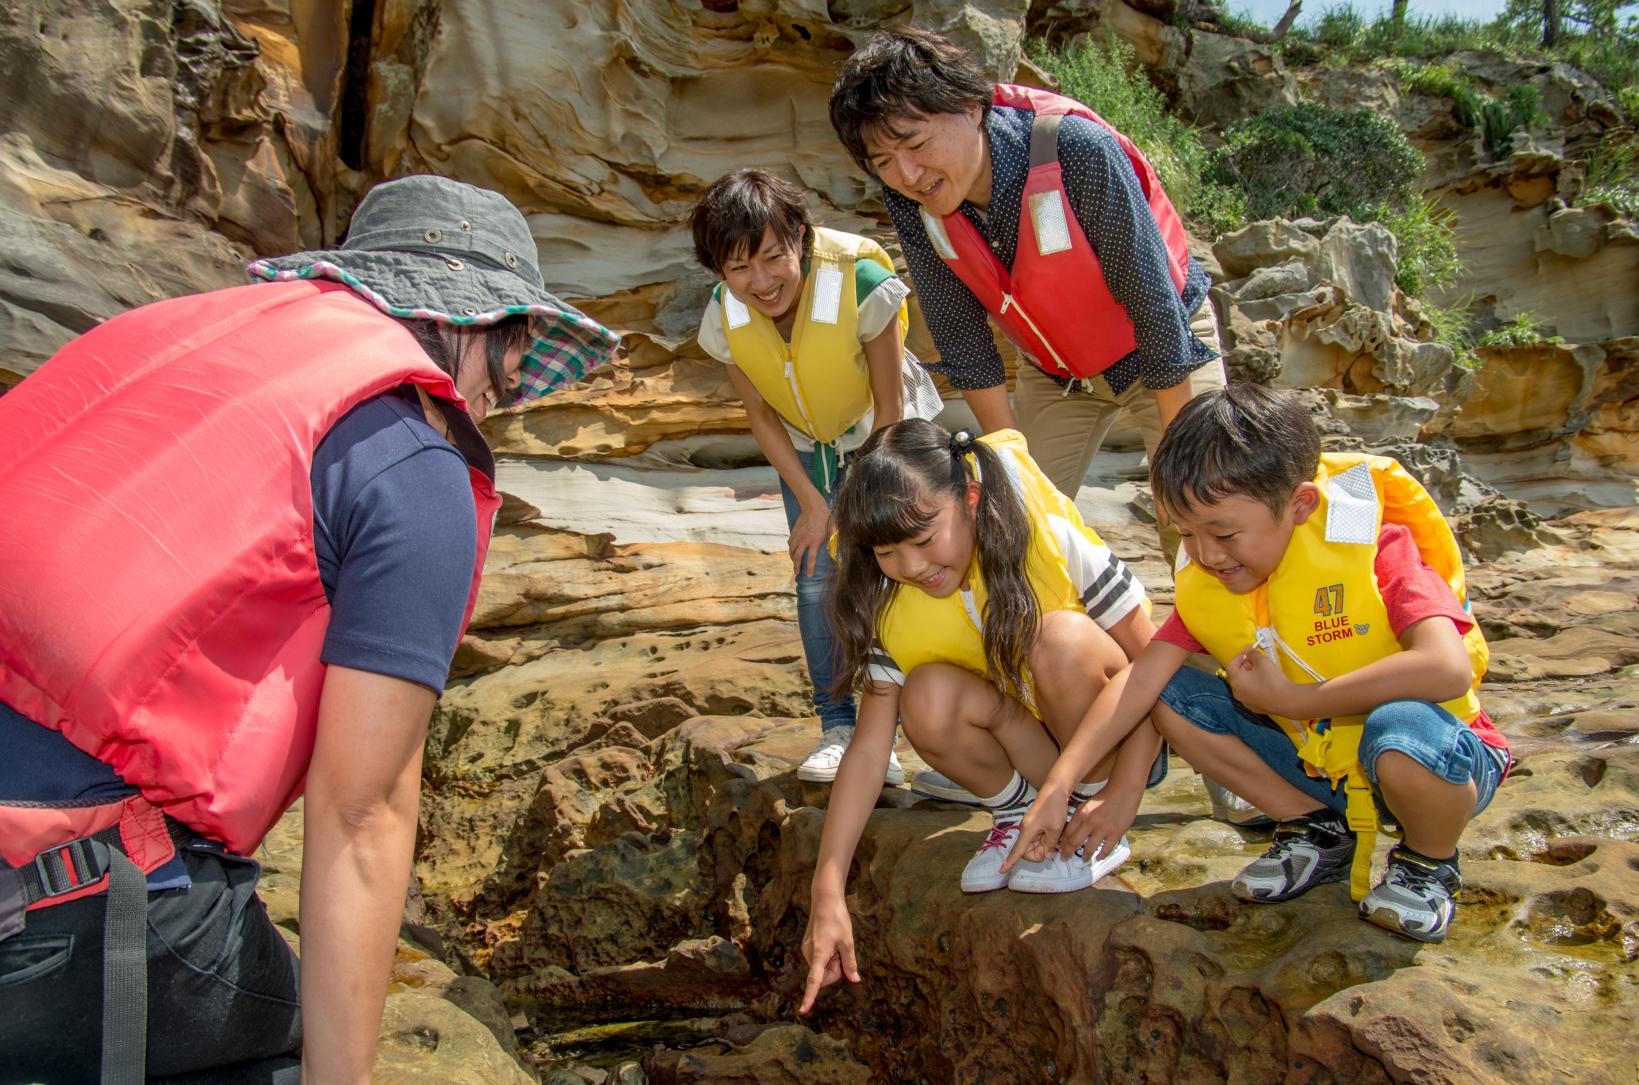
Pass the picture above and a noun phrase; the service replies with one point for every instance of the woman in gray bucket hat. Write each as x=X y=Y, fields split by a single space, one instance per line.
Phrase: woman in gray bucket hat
x=245 y=530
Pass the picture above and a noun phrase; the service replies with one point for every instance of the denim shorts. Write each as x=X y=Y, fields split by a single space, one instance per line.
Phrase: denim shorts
x=1421 y=730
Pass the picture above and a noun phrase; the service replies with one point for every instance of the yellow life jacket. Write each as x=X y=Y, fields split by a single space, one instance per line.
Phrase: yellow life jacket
x=819 y=383
x=915 y=628
x=1321 y=614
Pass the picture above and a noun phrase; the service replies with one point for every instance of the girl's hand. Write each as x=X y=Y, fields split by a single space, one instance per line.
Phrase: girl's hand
x=808 y=536
x=828 y=946
x=1102 y=821
x=1260 y=685
x=1040 y=829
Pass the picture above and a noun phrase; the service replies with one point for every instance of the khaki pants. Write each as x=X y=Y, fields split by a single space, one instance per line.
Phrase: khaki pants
x=1064 y=432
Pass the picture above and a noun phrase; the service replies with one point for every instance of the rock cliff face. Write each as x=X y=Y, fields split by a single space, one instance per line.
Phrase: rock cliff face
x=611 y=830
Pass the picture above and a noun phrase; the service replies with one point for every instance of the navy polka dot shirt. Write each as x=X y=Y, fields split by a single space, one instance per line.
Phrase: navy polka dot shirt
x=1108 y=202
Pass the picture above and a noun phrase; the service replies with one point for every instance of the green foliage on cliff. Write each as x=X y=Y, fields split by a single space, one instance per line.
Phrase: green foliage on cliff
x=1428 y=252
x=1613 y=177
x=1601 y=37
x=1106 y=78
x=1310 y=159
x=1495 y=117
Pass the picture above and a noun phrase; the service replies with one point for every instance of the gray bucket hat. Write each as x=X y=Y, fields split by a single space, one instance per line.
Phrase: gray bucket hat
x=430 y=248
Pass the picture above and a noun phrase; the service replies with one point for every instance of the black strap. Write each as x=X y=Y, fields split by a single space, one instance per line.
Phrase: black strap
x=1044 y=139
x=125 y=974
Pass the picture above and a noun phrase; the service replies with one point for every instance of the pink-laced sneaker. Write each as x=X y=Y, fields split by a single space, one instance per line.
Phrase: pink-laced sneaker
x=983 y=872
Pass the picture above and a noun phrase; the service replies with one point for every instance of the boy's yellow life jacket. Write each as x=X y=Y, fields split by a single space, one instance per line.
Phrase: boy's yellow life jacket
x=915 y=628
x=819 y=383
x=1320 y=614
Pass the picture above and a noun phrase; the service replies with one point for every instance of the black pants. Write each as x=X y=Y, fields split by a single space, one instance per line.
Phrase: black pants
x=222 y=986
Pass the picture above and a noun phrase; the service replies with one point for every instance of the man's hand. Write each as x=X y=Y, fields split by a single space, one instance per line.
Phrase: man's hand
x=828 y=946
x=1101 y=822
x=808 y=535
x=1260 y=685
x=1040 y=829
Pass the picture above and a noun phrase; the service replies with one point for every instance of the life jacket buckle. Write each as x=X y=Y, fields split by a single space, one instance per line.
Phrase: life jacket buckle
x=68 y=868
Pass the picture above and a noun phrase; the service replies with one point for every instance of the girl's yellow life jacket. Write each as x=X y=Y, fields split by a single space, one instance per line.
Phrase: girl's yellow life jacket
x=819 y=383
x=915 y=628
x=1320 y=614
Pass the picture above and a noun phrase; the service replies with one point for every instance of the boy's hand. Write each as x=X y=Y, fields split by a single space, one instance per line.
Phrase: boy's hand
x=828 y=946
x=1039 y=831
x=1102 y=821
x=1260 y=685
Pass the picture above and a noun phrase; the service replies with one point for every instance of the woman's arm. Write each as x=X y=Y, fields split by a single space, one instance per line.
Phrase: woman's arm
x=885 y=358
x=829 y=942
x=813 y=525
x=363 y=790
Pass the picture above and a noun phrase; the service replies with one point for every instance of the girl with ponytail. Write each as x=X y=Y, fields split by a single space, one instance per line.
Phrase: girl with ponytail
x=975 y=608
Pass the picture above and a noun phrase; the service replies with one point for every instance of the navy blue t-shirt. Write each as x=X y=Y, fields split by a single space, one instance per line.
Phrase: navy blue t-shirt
x=396 y=537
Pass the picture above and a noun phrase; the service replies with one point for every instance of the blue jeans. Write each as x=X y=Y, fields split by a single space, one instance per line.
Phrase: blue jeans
x=1424 y=732
x=818 y=645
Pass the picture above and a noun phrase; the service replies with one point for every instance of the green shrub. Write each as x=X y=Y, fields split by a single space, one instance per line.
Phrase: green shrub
x=1498 y=118
x=1428 y=252
x=1311 y=159
x=1106 y=78
x=1613 y=176
x=1628 y=97
x=1525 y=330
x=1454 y=327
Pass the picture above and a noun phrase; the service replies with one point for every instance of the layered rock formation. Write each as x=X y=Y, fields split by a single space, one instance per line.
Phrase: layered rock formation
x=611 y=831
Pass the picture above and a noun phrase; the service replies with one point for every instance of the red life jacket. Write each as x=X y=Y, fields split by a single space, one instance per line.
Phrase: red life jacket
x=160 y=601
x=1054 y=304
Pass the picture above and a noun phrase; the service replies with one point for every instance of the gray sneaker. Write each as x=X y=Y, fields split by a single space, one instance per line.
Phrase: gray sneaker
x=936 y=785
x=1230 y=808
x=1414 y=897
x=1307 y=851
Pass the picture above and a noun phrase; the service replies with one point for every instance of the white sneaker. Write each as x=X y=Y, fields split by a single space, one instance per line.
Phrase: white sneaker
x=820 y=767
x=1058 y=875
x=983 y=872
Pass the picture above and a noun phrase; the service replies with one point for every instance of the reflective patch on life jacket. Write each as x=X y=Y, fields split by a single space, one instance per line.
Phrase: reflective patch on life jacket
x=937 y=235
x=735 y=310
x=827 y=301
x=1351 y=514
x=1047 y=217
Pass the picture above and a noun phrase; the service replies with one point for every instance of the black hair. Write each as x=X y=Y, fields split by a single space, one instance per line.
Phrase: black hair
x=903 y=74
x=891 y=493
x=1242 y=439
x=739 y=207
x=445 y=344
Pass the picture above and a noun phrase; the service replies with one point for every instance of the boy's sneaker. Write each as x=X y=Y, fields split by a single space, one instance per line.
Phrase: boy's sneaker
x=1231 y=809
x=1307 y=851
x=1056 y=875
x=1414 y=897
x=983 y=872
x=820 y=767
x=936 y=785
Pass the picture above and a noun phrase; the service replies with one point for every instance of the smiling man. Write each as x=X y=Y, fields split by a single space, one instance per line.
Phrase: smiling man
x=1024 y=207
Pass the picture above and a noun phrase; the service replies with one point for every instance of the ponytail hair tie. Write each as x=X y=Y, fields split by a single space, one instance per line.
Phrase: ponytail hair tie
x=961 y=442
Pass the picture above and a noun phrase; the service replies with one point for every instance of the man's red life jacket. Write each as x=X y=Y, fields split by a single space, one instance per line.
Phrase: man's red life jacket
x=1054 y=305
x=160 y=601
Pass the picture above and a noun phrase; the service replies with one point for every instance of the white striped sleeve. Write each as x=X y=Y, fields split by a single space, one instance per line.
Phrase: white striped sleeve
x=1108 y=589
x=880 y=667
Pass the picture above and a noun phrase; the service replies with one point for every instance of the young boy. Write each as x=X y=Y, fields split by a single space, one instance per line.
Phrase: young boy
x=1330 y=591
x=811 y=325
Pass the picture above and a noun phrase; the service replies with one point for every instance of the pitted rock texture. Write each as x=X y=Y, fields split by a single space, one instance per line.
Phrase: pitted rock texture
x=661 y=859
